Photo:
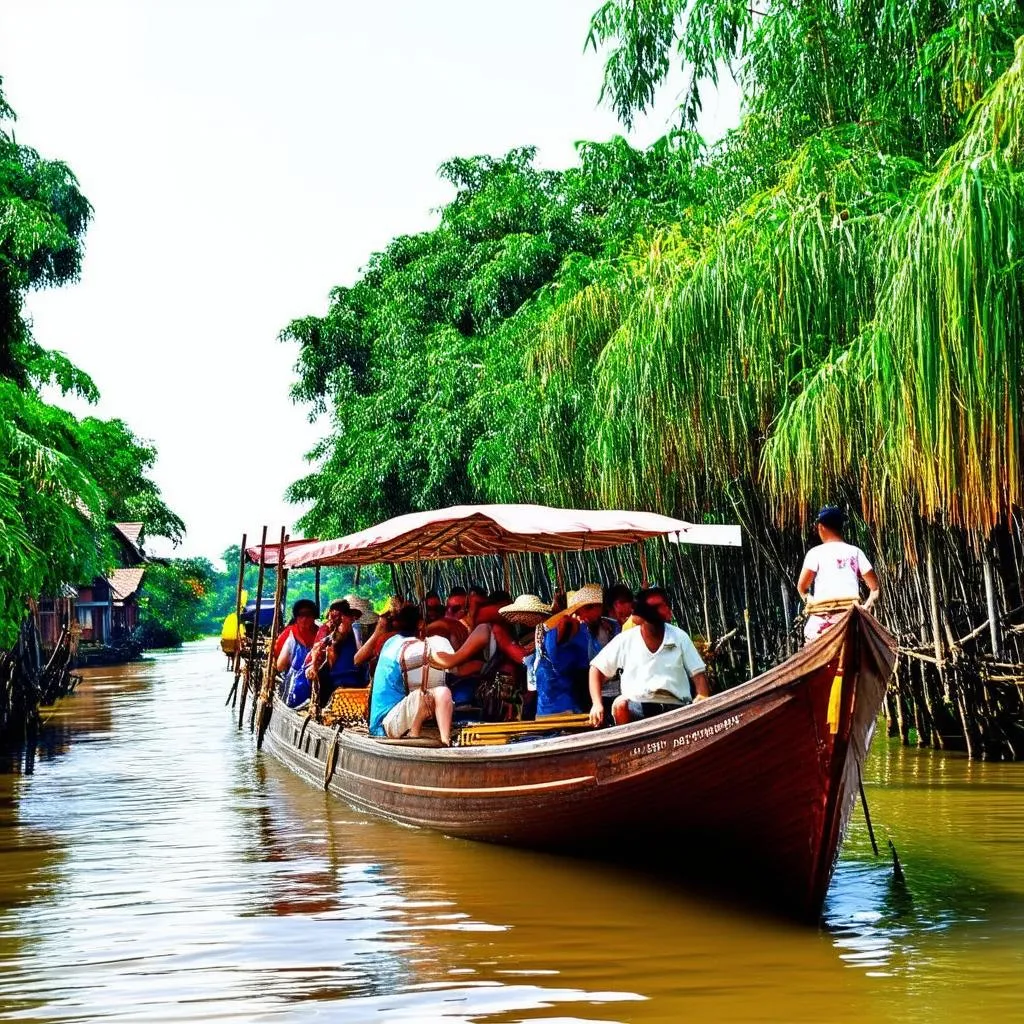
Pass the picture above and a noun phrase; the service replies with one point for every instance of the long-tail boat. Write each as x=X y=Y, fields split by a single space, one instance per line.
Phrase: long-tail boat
x=753 y=787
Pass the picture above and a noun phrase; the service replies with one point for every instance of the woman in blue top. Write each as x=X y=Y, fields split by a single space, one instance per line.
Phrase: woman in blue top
x=573 y=637
x=340 y=668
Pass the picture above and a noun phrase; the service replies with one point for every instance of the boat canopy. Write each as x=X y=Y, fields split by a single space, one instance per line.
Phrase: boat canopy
x=469 y=530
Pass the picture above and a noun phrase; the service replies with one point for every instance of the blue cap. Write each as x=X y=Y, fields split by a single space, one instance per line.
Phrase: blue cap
x=831 y=516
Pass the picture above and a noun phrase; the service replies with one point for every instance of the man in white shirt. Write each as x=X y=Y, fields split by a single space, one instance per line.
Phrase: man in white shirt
x=659 y=666
x=835 y=570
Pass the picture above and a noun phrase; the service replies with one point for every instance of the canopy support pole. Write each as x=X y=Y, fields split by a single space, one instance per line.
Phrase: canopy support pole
x=255 y=630
x=261 y=708
x=237 y=666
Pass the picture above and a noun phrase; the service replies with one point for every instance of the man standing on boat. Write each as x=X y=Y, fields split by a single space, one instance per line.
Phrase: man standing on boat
x=835 y=569
x=659 y=666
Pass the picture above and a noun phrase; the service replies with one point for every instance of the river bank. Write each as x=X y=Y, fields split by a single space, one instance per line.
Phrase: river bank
x=158 y=869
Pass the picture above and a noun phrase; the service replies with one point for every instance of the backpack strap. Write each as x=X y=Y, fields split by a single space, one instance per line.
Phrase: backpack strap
x=404 y=666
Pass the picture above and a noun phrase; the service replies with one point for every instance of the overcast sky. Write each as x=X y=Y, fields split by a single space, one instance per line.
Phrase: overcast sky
x=245 y=157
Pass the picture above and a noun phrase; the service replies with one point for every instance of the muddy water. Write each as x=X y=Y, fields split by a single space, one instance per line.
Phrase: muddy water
x=154 y=868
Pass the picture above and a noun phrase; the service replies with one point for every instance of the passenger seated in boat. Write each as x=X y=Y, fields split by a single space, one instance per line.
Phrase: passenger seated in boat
x=299 y=638
x=571 y=640
x=525 y=616
x=395 y=709
x=450 y=625
x=384 y=629
x=457 y=604
x=433 y=608
x=489 y=649
x=618 y=600
x=475 y=600
x=659 y=666
x=835 y=569
x=340 y=648
x=331 y=620
x=303 y=607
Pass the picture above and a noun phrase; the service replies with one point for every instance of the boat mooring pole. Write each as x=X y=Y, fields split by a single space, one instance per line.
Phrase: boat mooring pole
x=255 y=629
x=233 y=692
x=261 y=709
x=867 y=813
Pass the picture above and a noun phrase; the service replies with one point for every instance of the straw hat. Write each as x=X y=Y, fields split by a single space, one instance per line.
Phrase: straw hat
x=589 y=593
x=367 y=615
x=526 y=610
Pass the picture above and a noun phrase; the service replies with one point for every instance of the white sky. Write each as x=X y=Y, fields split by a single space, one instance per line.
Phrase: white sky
x=245 y=157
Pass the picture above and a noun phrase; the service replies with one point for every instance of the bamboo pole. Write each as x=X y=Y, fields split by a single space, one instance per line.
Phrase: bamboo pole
x=704 y=591
x=316 y=590
x=645 y=580
x=787 y=619
x=255 y=630
x=269 y=668
x=746 y=624
x=933 y=600
x=721 y=611
x=990 y=601
x=233 y=692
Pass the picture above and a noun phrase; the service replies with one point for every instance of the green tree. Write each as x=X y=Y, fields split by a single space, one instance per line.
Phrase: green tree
x=172 y=602
x=420 y=363
x=61 y=480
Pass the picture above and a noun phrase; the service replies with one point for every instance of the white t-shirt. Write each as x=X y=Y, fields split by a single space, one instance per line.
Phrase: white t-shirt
x=661 y=676
x=838 y=568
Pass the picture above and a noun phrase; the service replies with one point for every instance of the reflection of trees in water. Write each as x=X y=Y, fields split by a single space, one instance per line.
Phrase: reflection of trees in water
x=342 y=912
x=31 y=869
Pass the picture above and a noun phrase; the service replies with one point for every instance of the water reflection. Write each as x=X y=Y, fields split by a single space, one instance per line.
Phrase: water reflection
x=156 y=868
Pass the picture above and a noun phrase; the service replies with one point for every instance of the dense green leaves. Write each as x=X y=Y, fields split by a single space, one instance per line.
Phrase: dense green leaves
x=62 y=480
x=827 y=302
x=421 y=361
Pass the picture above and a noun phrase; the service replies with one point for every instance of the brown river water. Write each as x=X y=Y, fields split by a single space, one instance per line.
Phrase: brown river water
x=156 y=868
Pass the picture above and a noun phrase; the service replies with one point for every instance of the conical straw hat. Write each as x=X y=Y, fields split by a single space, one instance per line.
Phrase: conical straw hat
x=526 y=610
x=589 y=593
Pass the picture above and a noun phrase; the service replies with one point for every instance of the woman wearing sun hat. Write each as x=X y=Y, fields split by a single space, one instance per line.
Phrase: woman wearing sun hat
x=572 y=637
x=489 y=646
x=527 y=615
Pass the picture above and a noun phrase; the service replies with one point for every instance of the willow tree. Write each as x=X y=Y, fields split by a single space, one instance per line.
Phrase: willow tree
x=824 y=303
x=851 y=326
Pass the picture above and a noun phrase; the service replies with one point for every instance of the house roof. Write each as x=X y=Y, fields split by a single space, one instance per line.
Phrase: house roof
x=131 y=533
x=124 y=582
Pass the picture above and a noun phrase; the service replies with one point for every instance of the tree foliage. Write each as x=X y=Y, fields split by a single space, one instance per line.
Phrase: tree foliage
x=173 y=596
x=825 y=302
x=62 y=480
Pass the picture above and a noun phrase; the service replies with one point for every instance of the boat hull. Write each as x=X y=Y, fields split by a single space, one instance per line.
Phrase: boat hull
x=752 y=788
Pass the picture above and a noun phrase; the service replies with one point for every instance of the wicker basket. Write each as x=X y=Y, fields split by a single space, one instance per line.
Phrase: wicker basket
x=348 y=706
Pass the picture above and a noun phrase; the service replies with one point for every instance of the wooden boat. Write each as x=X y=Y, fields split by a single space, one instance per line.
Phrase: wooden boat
x=753 y=787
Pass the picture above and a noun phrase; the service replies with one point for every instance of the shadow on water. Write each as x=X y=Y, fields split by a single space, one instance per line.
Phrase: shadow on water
x=158 y=869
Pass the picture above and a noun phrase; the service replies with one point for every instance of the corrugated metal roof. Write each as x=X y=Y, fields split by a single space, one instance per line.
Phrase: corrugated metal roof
x=124 y=582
